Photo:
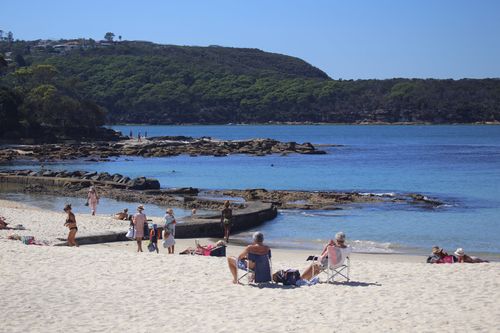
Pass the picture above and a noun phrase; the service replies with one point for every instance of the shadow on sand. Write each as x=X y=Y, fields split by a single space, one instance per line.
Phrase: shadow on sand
x=345 y=283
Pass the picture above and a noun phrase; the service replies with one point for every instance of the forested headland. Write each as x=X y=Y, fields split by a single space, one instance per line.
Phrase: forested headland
x=88 y=82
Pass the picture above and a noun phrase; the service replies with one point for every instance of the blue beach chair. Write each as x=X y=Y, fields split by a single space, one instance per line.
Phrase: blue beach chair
x=262 y=270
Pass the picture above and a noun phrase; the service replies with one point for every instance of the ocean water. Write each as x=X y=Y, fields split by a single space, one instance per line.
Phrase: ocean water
x=459 y=165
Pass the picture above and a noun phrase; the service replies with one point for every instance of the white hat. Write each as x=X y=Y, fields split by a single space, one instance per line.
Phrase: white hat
x=340 y=236
x=459 y=252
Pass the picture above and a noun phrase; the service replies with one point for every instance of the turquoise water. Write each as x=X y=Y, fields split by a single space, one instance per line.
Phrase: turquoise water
x=459 y=165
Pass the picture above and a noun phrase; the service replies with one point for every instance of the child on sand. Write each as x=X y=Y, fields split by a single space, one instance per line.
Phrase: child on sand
x=153 y=238
x=168 y=241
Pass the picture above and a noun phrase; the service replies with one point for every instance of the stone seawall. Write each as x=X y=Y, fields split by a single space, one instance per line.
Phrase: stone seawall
x=251 y=215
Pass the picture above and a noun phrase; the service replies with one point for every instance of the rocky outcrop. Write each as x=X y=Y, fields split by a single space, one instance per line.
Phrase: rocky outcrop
x=155 y=147
x=76 y=180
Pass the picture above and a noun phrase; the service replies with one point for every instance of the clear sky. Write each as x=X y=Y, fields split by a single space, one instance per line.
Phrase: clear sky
x=348 y=39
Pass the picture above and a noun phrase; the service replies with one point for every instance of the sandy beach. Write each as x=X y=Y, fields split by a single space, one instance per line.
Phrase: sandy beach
x=111 y=288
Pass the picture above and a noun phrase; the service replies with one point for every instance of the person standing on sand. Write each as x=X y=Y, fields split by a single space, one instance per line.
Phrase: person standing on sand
x=71 y=224
x=139 y=219
x=93 y=199
x=170 y=223
x=226 y=219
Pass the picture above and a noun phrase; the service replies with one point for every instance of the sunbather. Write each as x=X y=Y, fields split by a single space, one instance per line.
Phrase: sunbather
x=242 y=262
x=314 y=269
x=122 y=215
x=464 y=258
x=440 y=256
x=203 y=250
x=3 y=224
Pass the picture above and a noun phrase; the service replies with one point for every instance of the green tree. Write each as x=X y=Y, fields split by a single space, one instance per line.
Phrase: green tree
x=109 y=36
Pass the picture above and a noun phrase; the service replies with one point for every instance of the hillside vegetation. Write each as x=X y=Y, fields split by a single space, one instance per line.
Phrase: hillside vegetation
x=141 y=82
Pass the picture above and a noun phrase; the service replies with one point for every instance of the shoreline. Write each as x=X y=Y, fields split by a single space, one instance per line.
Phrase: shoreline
x=106 y=222
x=315 y=124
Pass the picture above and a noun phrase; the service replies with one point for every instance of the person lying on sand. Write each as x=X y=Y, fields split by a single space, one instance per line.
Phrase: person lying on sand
x=257 y=247
x=464 y=258
x=5 y=226
x=440 y=256
x=203 y=250
x=314 y=269
x=122 y=215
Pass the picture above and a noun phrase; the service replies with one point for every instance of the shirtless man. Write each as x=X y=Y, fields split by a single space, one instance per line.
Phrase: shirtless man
x=257 y=247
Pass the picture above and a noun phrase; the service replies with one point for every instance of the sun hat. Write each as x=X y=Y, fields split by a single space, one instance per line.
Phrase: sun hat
x=459 y=252
x=340 y=236
x=220 y=243
x=436 y=249
x=140 y=207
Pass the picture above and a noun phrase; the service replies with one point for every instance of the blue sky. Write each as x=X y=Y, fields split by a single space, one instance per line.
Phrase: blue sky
x=348 y=39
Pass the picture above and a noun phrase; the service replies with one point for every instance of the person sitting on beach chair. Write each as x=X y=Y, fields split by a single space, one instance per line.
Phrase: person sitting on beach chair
x=254 y=259
x=215 y=250
x=122 y=215
x=464 y=258
x=335 y=247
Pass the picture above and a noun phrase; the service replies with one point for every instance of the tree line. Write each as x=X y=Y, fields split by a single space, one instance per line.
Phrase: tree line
x=142 y=82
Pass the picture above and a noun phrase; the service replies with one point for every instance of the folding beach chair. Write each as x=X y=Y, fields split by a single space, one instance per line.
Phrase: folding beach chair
x=338 y=263
x=262 y=270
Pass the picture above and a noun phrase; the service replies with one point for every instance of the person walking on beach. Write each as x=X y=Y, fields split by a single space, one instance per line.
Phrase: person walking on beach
x=170 y=223
x=93 y=199
x=226 y=220
x=139 y=220
x=71 y=224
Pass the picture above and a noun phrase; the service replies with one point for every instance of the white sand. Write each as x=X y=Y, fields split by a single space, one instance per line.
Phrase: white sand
x=113 y=289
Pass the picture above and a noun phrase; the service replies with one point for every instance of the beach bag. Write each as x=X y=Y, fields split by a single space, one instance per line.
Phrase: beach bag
x=288 y=277
x=151 y=246
x=130 y=233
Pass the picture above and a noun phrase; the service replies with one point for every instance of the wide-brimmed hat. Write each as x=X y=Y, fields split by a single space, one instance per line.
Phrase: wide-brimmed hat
x=436 y=249
x=140 y=207
x=459 y=252
x=340 y=236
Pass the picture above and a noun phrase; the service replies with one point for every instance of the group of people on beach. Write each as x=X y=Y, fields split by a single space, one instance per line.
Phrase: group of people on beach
x=140 y=227
x=242 y=261
x=440 y=256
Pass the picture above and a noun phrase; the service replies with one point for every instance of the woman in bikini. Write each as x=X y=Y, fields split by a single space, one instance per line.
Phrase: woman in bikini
x=71 y=224
x=226 y=220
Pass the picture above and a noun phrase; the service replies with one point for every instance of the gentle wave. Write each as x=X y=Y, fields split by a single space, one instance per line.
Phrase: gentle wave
x=373 y=247
x=386 y=194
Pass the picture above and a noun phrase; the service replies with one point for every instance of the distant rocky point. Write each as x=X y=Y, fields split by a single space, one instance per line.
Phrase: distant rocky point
x=155 y=147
